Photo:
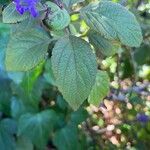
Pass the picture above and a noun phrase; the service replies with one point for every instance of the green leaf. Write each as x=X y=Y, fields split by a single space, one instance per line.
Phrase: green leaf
x=61 y=103
x=101 y=44
x=37 y=127
x=48 y=73
x=10 y=15
x=142 y=54
x=69 y=3
x=7 y=129
x=30 y=78
x=5 y=95
x=25 y=25
x=26 y=50
x=100 y=89
x=24 y=144
x=32 y=86
x=113 y=21
x=4 y=38
x=29 y=92
x=74 y=66
x=59 y=18
x=66 y=139
x=18 y=108
x=78 y=117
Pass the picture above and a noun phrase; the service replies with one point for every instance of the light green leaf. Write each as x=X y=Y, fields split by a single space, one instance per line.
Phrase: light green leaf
x=74 y=66
x=26 y=50
x=101 y=44
x=113 y=21
x=37 y=127
x=7 y=129
x=100 y=89
x=10 y=15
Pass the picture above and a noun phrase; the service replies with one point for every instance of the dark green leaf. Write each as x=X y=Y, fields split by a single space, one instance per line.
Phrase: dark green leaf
x=66 y=139
x=37 y=127
x=5 y=95
x=7 y=129
x=78 y=117
x=142 y=55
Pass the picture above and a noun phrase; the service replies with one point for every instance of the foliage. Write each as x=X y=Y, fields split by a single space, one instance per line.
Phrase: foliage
x=68 y=68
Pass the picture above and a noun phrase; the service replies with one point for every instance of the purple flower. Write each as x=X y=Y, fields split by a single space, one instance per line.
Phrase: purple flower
x=23 y=6
x=142 y=118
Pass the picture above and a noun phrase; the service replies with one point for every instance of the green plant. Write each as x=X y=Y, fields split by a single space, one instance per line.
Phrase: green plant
x=56 y=60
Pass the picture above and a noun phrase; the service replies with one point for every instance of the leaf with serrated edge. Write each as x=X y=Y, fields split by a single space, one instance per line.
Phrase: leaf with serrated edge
x=113 y=21
x=74 y=66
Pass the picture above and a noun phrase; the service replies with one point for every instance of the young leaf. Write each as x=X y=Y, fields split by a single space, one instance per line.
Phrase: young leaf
x=113 y=21
x=26 y=50
x=100 y=89
x=37 y=127
x=74 y=66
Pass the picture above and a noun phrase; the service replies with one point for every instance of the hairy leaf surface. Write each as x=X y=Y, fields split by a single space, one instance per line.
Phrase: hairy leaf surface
x=74 y=66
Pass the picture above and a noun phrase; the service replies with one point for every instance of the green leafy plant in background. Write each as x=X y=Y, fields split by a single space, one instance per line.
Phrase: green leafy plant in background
x=50 y=68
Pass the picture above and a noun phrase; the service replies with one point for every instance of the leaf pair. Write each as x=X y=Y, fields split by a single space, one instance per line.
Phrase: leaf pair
x=73 y=62
x=114 y=22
